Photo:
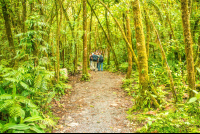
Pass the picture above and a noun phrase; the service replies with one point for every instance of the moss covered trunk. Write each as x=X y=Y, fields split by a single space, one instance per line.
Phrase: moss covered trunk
x=128 y=74
x=141 y=49
x=85 y=71
x=148 y=33
x=8 y=29
x=188 y=46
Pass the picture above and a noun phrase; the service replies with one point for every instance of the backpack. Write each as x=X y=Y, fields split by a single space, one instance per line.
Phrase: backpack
x=90 y=58
x=95 y=57
x=101 y=58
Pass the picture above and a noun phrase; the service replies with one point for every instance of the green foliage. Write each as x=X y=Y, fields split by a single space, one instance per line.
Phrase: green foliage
x=24 y=95
x=123 y=67
x=85 y=77
x=111 y=67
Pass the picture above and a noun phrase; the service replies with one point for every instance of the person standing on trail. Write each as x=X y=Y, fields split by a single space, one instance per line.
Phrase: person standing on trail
x=94 y=61
x=100 y=63
x=98 y=54
x=91 y=60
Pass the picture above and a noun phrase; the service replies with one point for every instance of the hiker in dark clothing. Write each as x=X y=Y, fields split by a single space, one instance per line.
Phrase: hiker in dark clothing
x=94 y=61
x=91 y=60
x=98 y=54
x=100 y=63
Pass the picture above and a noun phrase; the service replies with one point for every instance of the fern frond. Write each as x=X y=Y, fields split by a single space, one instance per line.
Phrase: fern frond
x=36 y=129
x=25 y=86
x=26 y=101
x=48 y=122
x=51 y=95
x=37 y=81
x=17 y=111
x=5 y=97
x=12 y=80
x=6 y=104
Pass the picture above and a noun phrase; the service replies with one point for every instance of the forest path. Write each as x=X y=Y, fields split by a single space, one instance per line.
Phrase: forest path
x=97 y=106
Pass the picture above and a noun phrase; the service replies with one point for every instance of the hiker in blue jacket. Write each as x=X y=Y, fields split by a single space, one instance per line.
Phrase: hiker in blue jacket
x=100 y=62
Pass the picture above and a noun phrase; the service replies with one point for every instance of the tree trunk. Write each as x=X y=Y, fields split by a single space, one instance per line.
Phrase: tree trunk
x=23 y=15
x=188 y=46
x=8 y=29
x=148 y=33
x=128 y=75
x=58 y=42
x=89 y=51
x=107 y=25
x=85 y=71
x=142 y=55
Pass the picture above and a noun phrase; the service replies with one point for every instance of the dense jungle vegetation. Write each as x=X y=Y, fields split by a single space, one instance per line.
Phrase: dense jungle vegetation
x=155 y=42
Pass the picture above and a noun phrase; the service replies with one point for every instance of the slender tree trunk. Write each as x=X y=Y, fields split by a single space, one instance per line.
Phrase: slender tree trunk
x=142 y=55
x=18 y=15
x=107 y=24
x=148 y=33
x=23 y=15
x=124 y=23
x=188 y=46
x=90 y=37
x=85 y=71
x=128 y=75
x=76 y=49
x=95 y=41
x=58 y=42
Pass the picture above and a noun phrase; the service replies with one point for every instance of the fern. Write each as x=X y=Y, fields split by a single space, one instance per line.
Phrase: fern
x=48 y=122
x=26 y=101
x=37 y=81
x=6 y=104
x=5 y=97
x=37 y=130
x=50 y=97
x=17 y=111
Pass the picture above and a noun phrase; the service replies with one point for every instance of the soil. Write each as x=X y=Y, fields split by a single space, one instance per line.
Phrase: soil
x=96 y=106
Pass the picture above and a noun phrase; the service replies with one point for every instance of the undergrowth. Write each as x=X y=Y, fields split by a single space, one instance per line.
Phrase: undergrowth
x=182 y=117
x=25 y=95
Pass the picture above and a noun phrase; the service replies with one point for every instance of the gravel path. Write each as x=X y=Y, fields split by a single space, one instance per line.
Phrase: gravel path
x=97 y=106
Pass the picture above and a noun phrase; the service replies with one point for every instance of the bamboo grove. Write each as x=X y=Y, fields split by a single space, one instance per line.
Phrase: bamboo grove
x=158 y=40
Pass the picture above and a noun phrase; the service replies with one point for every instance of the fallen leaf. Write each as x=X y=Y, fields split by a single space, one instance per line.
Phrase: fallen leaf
x=154 y=131
x=91 y=106
x=151 y=113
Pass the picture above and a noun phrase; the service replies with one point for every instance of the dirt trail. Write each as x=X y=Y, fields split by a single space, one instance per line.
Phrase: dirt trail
x=97 y=106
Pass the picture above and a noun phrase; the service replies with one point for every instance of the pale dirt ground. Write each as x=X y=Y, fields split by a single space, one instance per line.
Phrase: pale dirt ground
x=97 y=106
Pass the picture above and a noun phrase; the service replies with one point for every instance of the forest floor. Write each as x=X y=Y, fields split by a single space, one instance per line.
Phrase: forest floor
x=96 y=106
